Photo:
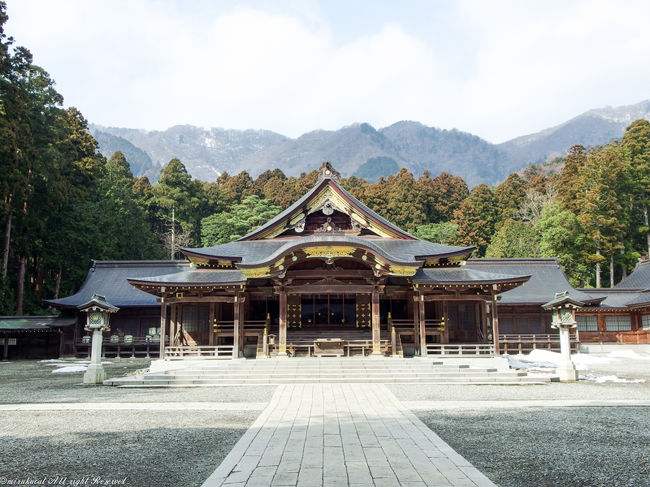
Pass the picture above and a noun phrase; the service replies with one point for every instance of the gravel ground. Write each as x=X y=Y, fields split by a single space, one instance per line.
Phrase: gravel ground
x=163 y=449
x=30 y=381
x=568 y=447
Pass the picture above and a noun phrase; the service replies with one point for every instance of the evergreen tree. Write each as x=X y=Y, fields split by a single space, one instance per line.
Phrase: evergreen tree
x=476 y=218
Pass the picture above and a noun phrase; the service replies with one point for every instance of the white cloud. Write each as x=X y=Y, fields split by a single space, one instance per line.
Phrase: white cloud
x=153 y=64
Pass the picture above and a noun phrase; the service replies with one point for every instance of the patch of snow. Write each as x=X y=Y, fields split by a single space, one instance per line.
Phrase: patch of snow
x=70 y=369
x=53 y=361
x=609 y=378
x=519 y=362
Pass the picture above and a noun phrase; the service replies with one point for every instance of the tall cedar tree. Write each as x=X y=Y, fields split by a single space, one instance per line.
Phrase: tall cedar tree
x=476 y=218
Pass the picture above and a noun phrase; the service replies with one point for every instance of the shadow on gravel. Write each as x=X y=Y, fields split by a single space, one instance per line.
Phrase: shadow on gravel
x=142 y=458
x=568 y=447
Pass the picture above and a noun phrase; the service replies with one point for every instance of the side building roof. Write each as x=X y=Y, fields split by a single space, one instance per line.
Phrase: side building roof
x=639 y=278
x=546 y=279
x=109 y=278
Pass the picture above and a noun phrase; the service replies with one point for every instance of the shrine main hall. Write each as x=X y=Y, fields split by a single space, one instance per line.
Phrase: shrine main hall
x=327 y=276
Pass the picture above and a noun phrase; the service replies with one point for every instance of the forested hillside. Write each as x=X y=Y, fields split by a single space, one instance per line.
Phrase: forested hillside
x=64 y=203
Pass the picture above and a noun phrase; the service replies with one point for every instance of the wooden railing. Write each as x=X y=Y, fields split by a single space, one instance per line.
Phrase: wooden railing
x=202 y=351
x=460 y=349
x=524 y=343
x=129 y=347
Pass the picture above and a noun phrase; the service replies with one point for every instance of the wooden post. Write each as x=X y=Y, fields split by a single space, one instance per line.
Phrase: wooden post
x=211 y=325
x=416 y=323
x=5 y=347
x=495 y=325
x=445 y=322
x=376 y=332
x=423 y=327
x=235 y=328
x=282 y=331
x=242 y=323
x=483 y=318
x=173 y=323
x=163 y=326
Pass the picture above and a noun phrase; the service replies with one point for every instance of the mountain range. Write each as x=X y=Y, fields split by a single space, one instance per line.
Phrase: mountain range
x=361 y=149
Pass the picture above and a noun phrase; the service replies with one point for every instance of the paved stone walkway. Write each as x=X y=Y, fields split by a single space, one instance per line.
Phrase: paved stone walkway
x=341 y=434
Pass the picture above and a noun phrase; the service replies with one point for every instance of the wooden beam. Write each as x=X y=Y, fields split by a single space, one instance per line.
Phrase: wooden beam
x=320 y=273
x=334 y=289
x=446 y=297
x=203 y=299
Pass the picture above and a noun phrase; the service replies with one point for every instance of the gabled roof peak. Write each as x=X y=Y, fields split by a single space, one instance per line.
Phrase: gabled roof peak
x=327 y=171
x=326 y=194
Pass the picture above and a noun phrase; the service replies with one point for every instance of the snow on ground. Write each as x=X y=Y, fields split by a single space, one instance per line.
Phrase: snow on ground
x=68 y=366
x=546 y=361
x=609 y=378
x=70 y=369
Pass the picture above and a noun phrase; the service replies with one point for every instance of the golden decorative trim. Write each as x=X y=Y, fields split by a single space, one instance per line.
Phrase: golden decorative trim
x=224 y=263
x=256 y=272
x=401 y=270
x=329 y=251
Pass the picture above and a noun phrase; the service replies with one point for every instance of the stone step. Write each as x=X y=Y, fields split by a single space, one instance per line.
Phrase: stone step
x=360 y=380
x=337 y=376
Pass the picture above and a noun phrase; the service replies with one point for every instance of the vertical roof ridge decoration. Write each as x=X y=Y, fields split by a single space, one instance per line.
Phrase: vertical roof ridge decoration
x=327 y=187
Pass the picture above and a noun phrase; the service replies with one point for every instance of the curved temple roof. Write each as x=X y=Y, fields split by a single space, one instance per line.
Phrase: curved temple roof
x=260 y=252
x=546 y=279
x=327 y=179
x=264 y=244
x=639 y=278
x=109 y=278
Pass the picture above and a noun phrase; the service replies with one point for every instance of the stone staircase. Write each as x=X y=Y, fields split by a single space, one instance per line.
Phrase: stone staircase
x=382 y=370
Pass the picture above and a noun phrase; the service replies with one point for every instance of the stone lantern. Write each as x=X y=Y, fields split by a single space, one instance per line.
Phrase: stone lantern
x=564 y=307
x=97 y=321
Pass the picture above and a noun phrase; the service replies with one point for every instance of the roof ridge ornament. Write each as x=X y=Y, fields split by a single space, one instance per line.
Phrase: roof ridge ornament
x=326 y=171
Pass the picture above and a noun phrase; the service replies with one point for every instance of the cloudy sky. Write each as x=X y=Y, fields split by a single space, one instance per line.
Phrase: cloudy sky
x=498 y=69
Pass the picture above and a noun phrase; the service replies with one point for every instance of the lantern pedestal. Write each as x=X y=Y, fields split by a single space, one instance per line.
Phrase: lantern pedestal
x=564 y=308
x=98 y=310
x=95 y=373
x=566 y=370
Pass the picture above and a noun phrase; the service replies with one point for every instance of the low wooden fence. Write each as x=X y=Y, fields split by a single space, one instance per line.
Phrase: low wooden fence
x=460 y=349
x=525 y=343
x=122 y=346
x=199 y=351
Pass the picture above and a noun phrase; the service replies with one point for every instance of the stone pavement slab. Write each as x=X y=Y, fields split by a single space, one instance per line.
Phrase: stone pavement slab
x=342 y=434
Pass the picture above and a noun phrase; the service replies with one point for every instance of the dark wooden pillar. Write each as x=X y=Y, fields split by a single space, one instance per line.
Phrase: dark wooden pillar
x=211 y=325
x=173 y=323
x=282 y=325
x=236 y=335
x=416 y=322
x=495 y=325
x=483 y=318
x=242 y=322
x=423 y=326
x=5 y=348
x=445 y=321
x=163 y=326
x=376 y=330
